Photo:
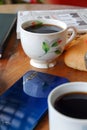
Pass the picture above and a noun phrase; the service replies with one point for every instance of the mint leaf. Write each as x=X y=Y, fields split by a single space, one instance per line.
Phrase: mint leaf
x=54 y=44
x=45 y=47
x=57 y=51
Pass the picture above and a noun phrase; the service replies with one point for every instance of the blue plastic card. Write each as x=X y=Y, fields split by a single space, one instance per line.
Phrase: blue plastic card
x=24 y=104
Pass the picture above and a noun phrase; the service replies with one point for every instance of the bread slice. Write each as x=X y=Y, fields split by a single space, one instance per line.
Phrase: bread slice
x=74 y=56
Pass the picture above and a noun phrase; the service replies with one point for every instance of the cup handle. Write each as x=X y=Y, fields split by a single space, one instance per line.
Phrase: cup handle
x=73 y=35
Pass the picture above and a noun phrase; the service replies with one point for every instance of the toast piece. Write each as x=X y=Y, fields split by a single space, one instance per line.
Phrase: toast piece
x=74 y=56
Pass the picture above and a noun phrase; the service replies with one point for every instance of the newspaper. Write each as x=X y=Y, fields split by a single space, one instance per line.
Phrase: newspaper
x=72 y=17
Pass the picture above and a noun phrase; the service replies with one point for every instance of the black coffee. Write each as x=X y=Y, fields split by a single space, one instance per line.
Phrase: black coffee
x=72 y=105
x=43 y=28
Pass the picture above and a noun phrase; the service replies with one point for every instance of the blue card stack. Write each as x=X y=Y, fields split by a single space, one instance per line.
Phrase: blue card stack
x=25 y=103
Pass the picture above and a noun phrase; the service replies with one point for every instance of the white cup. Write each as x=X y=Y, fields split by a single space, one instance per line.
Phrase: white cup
x=59 y=121
x=44 y=48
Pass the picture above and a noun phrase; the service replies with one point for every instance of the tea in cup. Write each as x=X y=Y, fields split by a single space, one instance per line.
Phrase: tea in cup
x=44 y=40
x=67 y=107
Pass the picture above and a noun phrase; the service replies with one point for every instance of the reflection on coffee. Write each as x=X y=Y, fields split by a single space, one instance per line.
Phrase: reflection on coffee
x=43 y=28
x=72 y=105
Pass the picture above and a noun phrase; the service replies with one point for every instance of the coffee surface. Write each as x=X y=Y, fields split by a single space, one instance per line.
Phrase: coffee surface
x=43 y=28
x=72 y=105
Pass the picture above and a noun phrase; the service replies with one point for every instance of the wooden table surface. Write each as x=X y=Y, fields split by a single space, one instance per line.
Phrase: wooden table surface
x=15 y=63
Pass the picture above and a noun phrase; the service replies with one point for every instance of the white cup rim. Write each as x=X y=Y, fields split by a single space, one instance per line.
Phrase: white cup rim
x=60 y=114
x=25 y=24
